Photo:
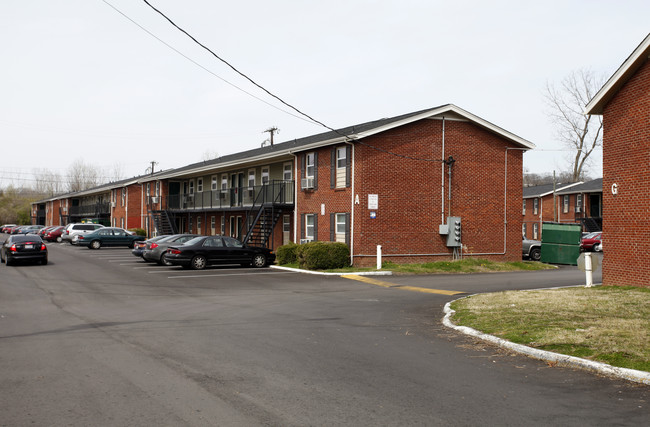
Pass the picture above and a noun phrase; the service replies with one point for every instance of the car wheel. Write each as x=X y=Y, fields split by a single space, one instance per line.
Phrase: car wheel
x=259 y=260
x=44 y=261
x=535 y=254
x=95 y=244
x=198 y=262
x=163 y=261
x=131 y=245
x=59 y=239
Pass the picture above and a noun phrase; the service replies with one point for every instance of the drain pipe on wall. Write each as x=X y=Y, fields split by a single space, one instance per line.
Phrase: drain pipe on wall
x=295 y=198
x=442 y=179
x=352 y=197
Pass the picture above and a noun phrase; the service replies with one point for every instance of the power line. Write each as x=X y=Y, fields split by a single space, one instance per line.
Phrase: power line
x=313 y=120
x=197 y=64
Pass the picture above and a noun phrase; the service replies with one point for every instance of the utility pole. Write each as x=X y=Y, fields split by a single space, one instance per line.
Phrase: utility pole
x=272 y=130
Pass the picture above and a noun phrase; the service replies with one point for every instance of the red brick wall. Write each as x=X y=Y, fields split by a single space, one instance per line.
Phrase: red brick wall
x=626 y=163
x=409 y=193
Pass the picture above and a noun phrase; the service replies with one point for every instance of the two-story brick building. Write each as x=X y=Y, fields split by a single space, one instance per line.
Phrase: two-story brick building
x=624 y=103
x=391 y=182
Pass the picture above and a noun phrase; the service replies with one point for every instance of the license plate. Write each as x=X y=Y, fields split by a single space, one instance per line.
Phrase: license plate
x=29 y=246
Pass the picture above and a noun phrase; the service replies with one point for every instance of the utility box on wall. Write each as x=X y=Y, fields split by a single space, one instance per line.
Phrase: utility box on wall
x=561 y=243
x=454 y=237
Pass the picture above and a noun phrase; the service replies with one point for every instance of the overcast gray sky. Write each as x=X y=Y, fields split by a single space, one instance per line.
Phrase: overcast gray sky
x=80 y=80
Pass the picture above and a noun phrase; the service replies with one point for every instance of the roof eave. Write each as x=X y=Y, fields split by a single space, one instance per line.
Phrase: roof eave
x=619 y=78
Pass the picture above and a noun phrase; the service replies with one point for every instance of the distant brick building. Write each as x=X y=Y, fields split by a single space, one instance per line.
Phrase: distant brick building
x=624 y=103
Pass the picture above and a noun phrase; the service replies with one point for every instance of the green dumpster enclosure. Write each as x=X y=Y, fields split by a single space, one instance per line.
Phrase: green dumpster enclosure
x=561 y=243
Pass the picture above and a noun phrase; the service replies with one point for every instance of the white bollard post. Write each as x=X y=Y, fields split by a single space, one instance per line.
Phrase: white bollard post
x=589 y=275
x=378 y=257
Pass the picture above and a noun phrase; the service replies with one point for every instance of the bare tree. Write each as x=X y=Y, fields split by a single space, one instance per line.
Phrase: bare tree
x=47 y=182
x=581 y=133
x=82 y=176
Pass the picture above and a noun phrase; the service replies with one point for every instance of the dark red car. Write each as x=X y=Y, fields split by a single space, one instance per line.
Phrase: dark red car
x=54 y=234
x=590 y=240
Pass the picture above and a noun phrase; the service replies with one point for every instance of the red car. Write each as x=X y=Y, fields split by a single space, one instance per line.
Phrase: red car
x=590 y=240
x=54 y=234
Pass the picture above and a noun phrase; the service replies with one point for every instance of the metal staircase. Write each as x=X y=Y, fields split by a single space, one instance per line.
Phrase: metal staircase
x=162 y=222
x=592 y=224
x=263 y=225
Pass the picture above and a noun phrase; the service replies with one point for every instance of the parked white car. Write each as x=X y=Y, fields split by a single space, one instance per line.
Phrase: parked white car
x=72 y=230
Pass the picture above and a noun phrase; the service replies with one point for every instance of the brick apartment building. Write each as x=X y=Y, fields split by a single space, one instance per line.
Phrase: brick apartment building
x=624 y=103
x=540 y=204
x=391 y=182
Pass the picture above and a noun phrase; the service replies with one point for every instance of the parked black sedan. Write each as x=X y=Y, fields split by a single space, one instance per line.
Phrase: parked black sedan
x=202 y=251
x=23 y=247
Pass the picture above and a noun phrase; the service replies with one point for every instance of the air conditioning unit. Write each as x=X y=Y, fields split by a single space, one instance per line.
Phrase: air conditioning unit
x=112 y=205
x=303 y=241
x=307 y=183
x=155 y=199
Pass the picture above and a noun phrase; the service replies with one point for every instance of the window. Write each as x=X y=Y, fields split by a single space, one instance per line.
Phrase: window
x=286 y=223
x=535 y=206
x=190 y=224
x=310 y=226
x=340 y=227
x=565 y=204
x=224 y=182
x=251 y=179
x=523 y=229
x=310 y=168
x=223 y=225
x=191 y=187
x=341 y=167
x=199 y=185
x=122 y=222
x=523 y=208
x=157 y=188
x=198 y=225
x=215 y=183
x=287 y=172
x=214 y=242
x=213 y=224
x=123 y=195
x=265 y=175
x=578 y=203
x=232 y=243
x=148 y=189
x=535 y=231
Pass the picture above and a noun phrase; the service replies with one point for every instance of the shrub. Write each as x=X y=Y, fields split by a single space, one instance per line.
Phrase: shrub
x=286 y=254
x=323 y=255
x=139 y=231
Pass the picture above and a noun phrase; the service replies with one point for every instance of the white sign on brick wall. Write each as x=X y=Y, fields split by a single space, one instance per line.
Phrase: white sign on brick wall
x=373 y=201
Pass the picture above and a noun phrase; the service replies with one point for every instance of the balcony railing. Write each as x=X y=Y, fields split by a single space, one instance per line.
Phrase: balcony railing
x=276 y=192
x=92 y=211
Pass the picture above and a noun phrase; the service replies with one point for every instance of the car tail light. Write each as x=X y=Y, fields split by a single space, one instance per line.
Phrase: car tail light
x=80 y=237
x=43 y=247
x=154 y=245
x=13 y=248
x=173 y=251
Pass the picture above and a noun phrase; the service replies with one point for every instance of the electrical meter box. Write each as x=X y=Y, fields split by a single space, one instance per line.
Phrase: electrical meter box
x=454 y=238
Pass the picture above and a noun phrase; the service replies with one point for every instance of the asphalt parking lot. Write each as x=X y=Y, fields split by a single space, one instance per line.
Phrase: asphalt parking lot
x=102 y=338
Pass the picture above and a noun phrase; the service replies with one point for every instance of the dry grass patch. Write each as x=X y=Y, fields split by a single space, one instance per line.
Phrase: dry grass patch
x=606 y=324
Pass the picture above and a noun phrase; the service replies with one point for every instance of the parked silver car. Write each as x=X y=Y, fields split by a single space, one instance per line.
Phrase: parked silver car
x=72 y=230
x=155 y=251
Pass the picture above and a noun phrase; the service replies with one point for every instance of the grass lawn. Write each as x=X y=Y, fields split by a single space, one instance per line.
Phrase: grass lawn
x=467 y=265
x=604 y=324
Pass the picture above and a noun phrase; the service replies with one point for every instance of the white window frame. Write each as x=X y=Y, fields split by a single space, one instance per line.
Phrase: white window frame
x=199 y=185
x=535 y=206
x=123 y=196
x=215 y=183
x=309 y=164
x=213 y=225
x=148 y=191
x=523 y=229
x=535 y=231
x=287 y=171
x=224 y=182
x=578 y=203
x=251 y=179
x=190 y=187
x=286 y=223
x=523 y=209
x=341 y=227
x=198 y=225
x=157 y=188
x=341 y=170
x=266 y=175
x=223 y=224
x=309 y=229
x=565 y=203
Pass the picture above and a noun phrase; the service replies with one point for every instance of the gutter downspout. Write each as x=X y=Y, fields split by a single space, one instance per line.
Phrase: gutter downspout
x=442 y=180
x=295 y=198
x=351 y=203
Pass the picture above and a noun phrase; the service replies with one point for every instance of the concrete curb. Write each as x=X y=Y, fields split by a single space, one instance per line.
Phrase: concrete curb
x=321 y=273
x=560 y=359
